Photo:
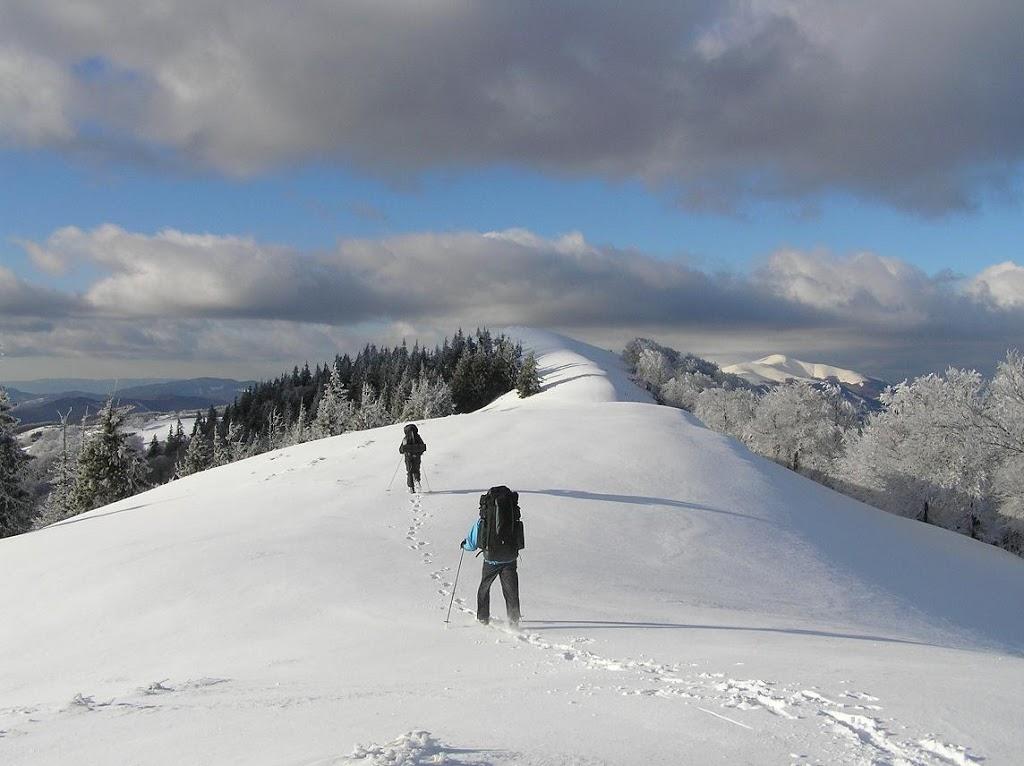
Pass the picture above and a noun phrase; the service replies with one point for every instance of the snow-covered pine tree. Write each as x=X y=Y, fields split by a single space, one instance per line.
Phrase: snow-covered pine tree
x=335 y=410
x=108 y=468
x=528 y=380
x=298 y=431
x=428 y=399
x=15 y=506
x=219 y=456
x=438 y=402
x=276 y=429
x=371 y=413
x=198 y=455
x=60 y=502
x=416 y=403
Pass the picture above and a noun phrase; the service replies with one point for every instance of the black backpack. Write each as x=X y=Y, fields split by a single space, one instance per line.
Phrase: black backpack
x=501 y=528
x=412 y=444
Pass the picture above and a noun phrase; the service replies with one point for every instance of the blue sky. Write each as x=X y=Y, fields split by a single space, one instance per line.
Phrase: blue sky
x=312 y=207
x=736 y=178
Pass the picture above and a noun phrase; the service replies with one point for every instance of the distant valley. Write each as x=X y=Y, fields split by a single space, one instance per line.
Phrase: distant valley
x=34 y=408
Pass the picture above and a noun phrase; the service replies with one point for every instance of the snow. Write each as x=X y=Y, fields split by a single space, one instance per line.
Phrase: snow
x=147 y=426
x=684 y=601
x=777 y=368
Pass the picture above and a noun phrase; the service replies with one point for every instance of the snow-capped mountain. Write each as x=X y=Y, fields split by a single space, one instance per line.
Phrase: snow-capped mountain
x=684 y=601
x=861 y=390
x=777 y=368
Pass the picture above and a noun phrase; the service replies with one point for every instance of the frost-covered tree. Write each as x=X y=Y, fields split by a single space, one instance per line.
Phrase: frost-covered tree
x=925 y=446
x=795 y=424
x=1002 y=419
x=653 y=369
x=109 y=468
x=1001 y=424
x=60 y=502
x=528 y=380
x=428 y=399
x=372 y=412
x=236 y=446
x=725 y=411
x=439 y=402
x=15 y=507
x=198 y=454
x=655 y=366
x=335 y=410
x=299 y=430
x=277 y=428
x=683 y=389
x=220 y=455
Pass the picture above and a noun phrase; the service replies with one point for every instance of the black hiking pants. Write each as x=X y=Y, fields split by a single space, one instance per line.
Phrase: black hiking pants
x=412 y=469
x=509 y=589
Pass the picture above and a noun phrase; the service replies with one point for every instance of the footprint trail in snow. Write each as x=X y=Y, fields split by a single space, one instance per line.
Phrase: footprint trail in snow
x=849 y=717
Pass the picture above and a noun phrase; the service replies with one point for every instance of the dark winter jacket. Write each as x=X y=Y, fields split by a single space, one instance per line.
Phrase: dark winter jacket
x=412 y=445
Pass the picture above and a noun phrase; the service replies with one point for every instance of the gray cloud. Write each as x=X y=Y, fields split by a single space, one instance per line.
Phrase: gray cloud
x=187 y=296
x=20 y=299
x=916 y=104
x=499 y=277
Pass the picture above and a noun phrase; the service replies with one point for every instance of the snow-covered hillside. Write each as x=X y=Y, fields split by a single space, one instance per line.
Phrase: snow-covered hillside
x=777 y=368
x=684 y=601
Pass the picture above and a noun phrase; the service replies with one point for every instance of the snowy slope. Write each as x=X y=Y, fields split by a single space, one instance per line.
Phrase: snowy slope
x=148 y=425
x=777 y=368
x=684 y=601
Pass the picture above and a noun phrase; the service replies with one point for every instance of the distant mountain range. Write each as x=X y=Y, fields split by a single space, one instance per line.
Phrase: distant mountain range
x=87 y=385
x=773 y=369
x=35 y=408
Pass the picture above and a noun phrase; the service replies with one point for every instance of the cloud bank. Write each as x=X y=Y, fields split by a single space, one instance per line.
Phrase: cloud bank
x=189 y=296
x=916 y=104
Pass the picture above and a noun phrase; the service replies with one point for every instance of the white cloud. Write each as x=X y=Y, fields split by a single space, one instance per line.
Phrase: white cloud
x=1002 y=283
x=863 y=285
x=204 y=296
x=34 y=97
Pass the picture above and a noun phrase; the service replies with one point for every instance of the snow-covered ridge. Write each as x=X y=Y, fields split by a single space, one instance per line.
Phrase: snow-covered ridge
x=683 y=601
x=778 y=368
x=572 y=372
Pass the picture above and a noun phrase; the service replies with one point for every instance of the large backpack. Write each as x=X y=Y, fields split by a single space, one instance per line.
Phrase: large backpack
x=501 y=526
x=412 y=444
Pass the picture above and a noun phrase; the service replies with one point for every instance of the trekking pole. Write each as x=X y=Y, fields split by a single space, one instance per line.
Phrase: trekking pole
x=426 y=480
x=454 y=586
x=394 y=475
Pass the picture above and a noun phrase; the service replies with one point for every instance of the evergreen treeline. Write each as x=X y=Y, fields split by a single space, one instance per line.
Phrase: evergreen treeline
x=943 y=449
x=477 y=369
x=101 y=462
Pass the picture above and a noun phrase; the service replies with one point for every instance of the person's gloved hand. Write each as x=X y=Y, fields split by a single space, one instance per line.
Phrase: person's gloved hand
x=462 y=545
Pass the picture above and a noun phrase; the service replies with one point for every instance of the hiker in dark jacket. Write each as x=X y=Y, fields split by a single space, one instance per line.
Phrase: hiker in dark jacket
x=412 y=447
x=499 y=507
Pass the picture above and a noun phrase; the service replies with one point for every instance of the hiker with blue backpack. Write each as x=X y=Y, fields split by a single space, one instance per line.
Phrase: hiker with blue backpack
x=498 y=534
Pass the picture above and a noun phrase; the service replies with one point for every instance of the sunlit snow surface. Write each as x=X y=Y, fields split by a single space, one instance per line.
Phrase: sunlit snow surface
x=684 y=601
